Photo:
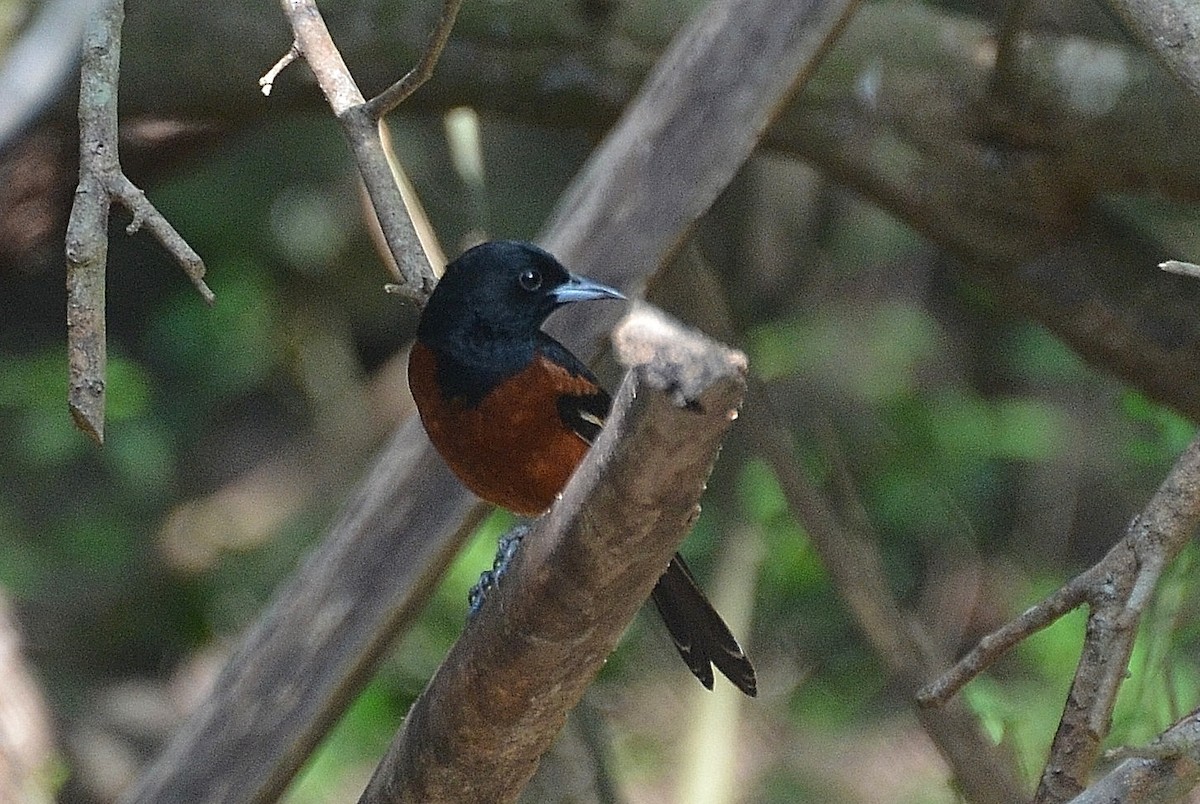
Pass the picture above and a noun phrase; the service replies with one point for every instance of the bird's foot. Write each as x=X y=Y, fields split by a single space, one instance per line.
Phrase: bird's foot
x=506 y=549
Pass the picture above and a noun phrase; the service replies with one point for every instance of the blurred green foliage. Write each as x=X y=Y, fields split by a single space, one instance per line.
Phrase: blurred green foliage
x=944 y=415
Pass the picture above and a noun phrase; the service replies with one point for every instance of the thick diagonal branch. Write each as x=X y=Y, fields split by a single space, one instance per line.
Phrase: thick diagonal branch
x=504 y=691
x=1169 y=28
x=374 y=569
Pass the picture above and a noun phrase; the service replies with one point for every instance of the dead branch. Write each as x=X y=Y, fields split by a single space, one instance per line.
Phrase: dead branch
x=102 y=182
x=360 y=125
x=502 y=694
x=1117 y=590
x=1168 y=28
x=1164 y=771
x=372 y=572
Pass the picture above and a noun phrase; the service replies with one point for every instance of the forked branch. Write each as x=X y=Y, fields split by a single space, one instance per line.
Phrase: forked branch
x=360 y=122
x=101 y=183
x=1117 y=590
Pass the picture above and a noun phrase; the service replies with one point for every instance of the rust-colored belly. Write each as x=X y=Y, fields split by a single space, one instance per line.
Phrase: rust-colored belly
x=512 y=449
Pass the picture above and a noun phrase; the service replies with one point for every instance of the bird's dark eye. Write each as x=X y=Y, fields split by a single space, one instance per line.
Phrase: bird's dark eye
x=530 y=279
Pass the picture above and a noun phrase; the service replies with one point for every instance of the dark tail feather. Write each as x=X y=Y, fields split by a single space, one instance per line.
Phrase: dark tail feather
x=700 y=635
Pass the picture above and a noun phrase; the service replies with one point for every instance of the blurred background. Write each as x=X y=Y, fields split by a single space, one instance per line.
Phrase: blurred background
x=990 y=458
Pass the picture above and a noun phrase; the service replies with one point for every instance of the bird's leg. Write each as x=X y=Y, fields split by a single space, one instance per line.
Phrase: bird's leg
x=506 y=548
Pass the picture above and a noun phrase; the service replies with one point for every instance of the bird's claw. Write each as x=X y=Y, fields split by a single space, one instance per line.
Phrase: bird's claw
x=506 y=550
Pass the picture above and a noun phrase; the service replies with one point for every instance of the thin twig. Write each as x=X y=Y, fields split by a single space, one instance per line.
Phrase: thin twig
x=399 y=92
x=87 y=228
x=267 y=82
x=996 y=644
x=360 y=127
x=101 y=182
x=313 y=41
x=121 y=189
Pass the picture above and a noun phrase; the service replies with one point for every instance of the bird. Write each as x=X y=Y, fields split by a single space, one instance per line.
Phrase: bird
x=513 y=412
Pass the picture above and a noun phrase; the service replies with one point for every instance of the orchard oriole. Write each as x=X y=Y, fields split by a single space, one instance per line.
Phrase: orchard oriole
x=513 y=412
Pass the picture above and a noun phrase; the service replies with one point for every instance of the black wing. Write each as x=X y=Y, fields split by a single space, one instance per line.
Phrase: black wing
x=583 y=413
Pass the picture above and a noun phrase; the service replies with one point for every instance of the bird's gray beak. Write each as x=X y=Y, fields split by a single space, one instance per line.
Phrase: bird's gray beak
x=578 y=288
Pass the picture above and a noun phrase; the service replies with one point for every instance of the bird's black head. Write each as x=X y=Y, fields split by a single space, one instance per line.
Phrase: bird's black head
x=500 y=292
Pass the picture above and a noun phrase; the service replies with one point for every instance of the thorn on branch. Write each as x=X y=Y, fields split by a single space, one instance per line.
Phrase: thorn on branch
x=135 y=224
